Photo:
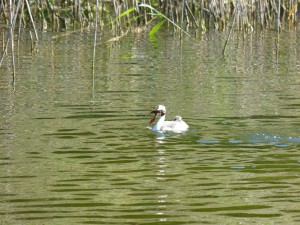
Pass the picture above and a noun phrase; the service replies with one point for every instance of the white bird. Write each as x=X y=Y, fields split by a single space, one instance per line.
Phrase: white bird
x=177 y=125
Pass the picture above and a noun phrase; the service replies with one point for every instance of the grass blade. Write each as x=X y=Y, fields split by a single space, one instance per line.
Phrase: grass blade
x=162 y=15
x=156 y=28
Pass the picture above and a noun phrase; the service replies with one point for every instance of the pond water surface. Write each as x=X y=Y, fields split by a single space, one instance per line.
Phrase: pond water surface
x=76 y=147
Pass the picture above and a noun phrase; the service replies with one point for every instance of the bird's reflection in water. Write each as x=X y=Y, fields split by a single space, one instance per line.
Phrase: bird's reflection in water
x=162 y=198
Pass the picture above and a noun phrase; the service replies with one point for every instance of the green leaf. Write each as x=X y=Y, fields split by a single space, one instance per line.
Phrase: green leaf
x=124 y=14
x=162 y=15
x=156 y=28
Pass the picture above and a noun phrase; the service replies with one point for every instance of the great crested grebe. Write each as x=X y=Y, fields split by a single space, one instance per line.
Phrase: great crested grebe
x=177 y=125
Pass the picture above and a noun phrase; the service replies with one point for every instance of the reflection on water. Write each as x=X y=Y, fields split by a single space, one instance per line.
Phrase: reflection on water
x=279 y=141
x=78 y=151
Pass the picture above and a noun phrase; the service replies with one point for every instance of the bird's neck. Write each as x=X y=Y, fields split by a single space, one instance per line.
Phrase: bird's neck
x=161 y=121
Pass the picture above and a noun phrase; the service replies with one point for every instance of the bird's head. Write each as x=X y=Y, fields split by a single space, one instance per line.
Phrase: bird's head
x=160 y=109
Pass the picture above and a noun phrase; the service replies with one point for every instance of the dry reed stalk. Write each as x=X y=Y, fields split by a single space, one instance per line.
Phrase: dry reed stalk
x=182 y=12
x=278 y=15
x=205 y=14
x=229 y=33
x=117 y=11
x=13 y=16
x=12 y=13
x=75 y=12
x=192 y=15
x=31 y=18
x=94 y=47
x=95 y=34
x=20 y=18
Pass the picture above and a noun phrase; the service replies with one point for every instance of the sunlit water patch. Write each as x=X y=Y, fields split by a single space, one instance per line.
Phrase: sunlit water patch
x=258 y=138
x=273 y=138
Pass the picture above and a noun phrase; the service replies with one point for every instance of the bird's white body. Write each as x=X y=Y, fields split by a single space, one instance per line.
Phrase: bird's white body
x=177 y=125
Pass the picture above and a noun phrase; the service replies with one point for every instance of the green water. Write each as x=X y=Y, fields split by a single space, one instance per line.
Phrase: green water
x=76 y=147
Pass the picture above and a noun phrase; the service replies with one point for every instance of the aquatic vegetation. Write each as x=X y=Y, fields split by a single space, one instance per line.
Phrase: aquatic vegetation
x=201 y=15
x=153 y=13
x=189 y=17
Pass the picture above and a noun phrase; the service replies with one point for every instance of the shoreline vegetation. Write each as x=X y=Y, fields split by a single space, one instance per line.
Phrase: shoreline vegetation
x=186 y=17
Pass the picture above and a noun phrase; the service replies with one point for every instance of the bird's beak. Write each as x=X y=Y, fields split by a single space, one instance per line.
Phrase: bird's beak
x=155 y=111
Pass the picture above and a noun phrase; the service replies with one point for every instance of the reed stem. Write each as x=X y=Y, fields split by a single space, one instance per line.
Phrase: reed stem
x=278 y=15
x=12 y=13
x=31 y=18
x=231 y=28
x=95 y=33
x=10 y=30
